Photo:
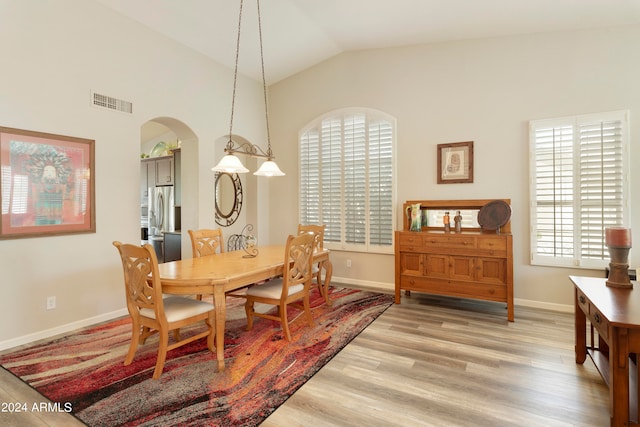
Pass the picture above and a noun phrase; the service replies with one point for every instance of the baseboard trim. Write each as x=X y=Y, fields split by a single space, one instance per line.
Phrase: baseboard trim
x=62 y=329
x=381 y=286
x=565 y=308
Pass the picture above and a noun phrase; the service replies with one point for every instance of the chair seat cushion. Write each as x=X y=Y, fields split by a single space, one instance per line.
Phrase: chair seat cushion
x=272 y=289
x=179 y=308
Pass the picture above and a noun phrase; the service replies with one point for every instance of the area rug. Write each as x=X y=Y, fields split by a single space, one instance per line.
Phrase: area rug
x=83 y=371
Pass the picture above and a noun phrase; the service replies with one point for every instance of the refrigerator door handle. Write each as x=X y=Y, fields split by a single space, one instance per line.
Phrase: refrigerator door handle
x=160 y=213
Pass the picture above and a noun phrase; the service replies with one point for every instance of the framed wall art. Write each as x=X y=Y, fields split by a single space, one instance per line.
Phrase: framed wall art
x=455 y=162
x=47 y=184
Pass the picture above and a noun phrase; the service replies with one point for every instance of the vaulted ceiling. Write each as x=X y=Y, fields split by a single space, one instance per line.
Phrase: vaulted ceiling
x=300 y=33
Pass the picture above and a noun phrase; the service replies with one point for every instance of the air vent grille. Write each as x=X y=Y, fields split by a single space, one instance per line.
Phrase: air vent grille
x=111 y=103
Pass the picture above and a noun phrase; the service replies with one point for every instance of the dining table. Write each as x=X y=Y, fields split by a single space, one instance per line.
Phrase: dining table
x=229 y=271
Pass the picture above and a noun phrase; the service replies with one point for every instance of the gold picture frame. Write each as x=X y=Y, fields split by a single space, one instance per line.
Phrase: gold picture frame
x=47 y=185
x=455 y=163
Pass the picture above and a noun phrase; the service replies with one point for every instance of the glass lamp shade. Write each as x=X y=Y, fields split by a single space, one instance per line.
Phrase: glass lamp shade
x=230 y=164
x=269 y=168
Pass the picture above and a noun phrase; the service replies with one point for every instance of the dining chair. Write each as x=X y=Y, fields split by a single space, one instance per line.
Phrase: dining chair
x=323 y=285
x=152 y=312
x=288 y=290
x=206 y=242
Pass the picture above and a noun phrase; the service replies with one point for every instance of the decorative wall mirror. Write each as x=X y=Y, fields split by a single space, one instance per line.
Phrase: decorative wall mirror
x=228 y=197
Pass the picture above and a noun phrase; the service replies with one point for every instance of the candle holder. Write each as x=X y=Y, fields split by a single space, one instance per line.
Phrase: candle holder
x=618 y=240
x=250 y=242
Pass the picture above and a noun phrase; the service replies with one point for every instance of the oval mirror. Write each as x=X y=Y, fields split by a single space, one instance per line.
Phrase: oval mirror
x=228 y=198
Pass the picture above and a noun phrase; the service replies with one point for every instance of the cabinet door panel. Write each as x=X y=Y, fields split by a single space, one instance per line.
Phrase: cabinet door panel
x=164 y=171
x=492 y=270
x=437 y=265
x=151 y=174
x=144 y=183
x=462 y=268
x=411 y=263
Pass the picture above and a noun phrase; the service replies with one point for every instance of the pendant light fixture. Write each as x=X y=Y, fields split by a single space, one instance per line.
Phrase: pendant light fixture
x=230 y=163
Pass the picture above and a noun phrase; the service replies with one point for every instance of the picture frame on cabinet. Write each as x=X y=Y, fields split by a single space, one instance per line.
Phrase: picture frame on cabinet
x=47 y=184
x=455 y=163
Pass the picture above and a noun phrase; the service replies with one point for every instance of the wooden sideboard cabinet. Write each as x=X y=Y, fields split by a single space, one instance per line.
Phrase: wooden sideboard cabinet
x=471 y=264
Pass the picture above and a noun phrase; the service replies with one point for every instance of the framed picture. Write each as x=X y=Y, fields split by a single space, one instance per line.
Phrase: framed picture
x=46 y=184
x=455 y=162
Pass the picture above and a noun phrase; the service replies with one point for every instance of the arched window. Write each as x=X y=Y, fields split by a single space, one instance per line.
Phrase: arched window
x=347 y=175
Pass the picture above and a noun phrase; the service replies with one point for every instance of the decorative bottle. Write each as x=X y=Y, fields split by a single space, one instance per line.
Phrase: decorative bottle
x=458 y=222
x=447 y=222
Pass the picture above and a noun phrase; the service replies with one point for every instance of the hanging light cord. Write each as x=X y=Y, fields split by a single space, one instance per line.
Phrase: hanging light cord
x=235 y=79
x=246 y=147
x=264 y=85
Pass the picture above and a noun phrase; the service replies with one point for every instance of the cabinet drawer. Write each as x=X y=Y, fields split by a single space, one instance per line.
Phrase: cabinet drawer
x=494 y=244
x=489 y=292
x=410 y=241
x=583 y=302
x=599 y=322
x=450 y=242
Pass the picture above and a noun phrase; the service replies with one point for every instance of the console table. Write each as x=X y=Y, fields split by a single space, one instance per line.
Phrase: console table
x=614 y=317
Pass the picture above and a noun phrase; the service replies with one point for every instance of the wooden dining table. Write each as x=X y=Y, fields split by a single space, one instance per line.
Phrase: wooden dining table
x=228 y=271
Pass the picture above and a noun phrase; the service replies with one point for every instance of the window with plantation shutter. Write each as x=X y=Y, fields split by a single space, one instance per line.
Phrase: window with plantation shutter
x=346 y=179
x=579 y=187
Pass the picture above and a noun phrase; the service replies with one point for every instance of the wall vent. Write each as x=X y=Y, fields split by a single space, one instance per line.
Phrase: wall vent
x=111 y=103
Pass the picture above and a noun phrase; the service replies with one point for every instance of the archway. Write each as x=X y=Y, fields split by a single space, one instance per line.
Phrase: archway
x=176 y=132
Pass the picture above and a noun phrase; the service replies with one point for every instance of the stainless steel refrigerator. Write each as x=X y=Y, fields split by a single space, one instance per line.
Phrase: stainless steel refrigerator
x=161 y=210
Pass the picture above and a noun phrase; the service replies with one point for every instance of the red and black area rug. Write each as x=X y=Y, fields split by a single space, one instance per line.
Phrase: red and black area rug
x=84 y=370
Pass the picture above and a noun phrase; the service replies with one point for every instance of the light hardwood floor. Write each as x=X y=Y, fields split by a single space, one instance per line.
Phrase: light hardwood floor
x=432 y=362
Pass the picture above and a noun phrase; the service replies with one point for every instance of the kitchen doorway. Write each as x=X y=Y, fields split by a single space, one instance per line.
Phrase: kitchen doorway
x=167 y=138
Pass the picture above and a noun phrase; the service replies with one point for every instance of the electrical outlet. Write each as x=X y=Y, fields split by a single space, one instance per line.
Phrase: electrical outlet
x=349 y=263
x=51 y=303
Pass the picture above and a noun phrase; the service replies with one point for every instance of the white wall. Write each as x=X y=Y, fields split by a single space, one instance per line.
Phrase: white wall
x=54 y=52
x=485 y=91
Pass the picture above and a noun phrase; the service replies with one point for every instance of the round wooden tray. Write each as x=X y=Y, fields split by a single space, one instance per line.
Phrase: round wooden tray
x=494 y=215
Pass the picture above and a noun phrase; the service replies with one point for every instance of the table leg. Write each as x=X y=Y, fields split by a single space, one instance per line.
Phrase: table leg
x=581 y=330
x=619 y=377
x=219 y=301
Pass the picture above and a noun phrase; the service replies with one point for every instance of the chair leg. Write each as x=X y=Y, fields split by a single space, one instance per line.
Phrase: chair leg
x=328 y=268
x=142 y=337
x=248 y=308
x=285 y=323
x=135 y=337
x=307 y=310
x=319 y=283
x=162 y=355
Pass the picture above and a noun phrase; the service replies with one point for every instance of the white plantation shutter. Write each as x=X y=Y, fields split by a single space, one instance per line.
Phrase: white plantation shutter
x=579 y=187
x=380 y=183
x=346 y=179
x=554 y=191
x=601 y=184
x=355 y=179
x=310 y=177
x=331 y=180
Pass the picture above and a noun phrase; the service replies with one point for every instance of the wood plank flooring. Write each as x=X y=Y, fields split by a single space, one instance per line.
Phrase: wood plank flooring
x=431 y=361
